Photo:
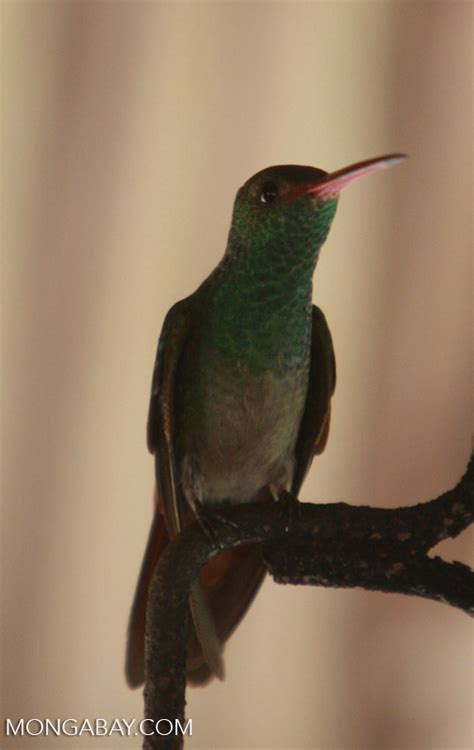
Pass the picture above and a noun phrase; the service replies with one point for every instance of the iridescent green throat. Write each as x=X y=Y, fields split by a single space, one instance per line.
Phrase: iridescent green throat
x=260 y=302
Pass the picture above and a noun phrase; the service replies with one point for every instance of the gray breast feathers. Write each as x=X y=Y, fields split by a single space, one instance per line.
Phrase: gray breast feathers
x=246 y=439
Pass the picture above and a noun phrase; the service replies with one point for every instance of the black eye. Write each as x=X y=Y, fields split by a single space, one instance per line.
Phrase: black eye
x=268 y=192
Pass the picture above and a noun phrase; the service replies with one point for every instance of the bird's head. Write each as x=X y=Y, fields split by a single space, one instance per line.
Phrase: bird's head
x=282 y=214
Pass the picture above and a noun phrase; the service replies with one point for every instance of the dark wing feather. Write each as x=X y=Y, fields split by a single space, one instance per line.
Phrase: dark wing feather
x=166 y=520
x=314 y=427
x=161 y=442
x=135 y=657
x=160 y=425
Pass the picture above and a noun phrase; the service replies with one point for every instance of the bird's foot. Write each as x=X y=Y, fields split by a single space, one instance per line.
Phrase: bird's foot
x=211 y=522
x=290 y=509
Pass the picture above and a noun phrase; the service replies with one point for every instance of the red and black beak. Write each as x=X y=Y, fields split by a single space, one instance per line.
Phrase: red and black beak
x=331 y=184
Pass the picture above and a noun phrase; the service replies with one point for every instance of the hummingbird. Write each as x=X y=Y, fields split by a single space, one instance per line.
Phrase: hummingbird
x=241 y=393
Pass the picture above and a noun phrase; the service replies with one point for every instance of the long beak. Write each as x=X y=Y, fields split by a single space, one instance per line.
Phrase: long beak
x=333 y=183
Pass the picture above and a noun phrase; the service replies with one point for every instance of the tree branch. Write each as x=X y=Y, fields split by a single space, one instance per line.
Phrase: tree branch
x=335 y=545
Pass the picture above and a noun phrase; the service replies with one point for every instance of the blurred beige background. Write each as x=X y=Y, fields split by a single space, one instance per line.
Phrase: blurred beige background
x=127 y=128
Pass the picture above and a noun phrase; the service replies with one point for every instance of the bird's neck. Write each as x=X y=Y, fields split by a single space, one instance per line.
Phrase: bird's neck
x=261 y=320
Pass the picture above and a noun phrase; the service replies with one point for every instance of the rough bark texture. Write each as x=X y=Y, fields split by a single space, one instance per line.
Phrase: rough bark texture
x=327 y=545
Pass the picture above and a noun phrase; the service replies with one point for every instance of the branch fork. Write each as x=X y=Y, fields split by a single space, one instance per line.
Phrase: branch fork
x=336 y=545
